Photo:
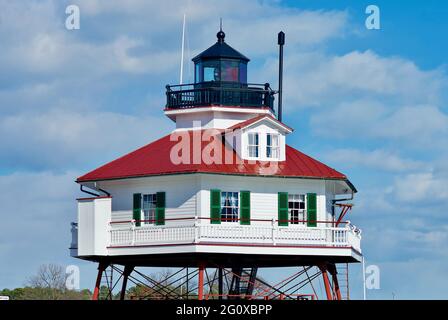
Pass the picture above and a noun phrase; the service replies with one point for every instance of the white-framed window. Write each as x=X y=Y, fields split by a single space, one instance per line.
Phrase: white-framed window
x=296 y=209
x=253 y=144
x=229 y=206
x=272 y=146
x=149 y=203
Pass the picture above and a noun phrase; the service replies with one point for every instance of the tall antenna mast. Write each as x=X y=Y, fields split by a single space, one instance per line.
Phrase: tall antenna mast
x=182 y=54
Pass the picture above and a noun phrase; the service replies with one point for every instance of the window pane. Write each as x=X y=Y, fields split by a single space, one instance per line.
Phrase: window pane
x=211 y=74
x=253 y=144
x=149 y=206
x=229 y=211
x=296 y=210
x=251 y=138
x=197 y=75
x=229 y=71
x=272 y=149
x=243 y=73
x=275 y=140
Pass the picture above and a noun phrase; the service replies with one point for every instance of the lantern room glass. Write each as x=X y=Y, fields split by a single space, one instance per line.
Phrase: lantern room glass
x=221 y=70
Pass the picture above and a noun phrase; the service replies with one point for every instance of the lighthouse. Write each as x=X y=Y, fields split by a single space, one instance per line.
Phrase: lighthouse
x=218 y=199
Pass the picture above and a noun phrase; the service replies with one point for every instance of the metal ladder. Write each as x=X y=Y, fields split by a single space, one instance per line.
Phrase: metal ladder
x=343 y=279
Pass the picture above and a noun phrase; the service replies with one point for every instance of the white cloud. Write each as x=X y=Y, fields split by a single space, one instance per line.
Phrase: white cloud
x=419 y=278
x=419 y=125
x=250 y=25
x=315 y=79
x=61 y=84
x=367 y=96
x=417 y=187
x=66 y=139
x=36 y=210
x=376 y=159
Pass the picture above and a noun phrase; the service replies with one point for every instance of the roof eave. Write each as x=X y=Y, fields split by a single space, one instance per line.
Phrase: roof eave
x=220 y=173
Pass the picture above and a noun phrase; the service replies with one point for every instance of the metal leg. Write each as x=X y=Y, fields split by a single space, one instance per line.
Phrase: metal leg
x=323 y=269
x=220 y=284
x=101 y=267
x=201 y=283
x=334 y=276
x=127 y=271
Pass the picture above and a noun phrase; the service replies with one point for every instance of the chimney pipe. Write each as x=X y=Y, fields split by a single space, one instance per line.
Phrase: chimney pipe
x=281 y=42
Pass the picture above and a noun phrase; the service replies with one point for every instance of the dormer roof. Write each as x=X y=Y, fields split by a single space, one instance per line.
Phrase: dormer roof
x=253 y=121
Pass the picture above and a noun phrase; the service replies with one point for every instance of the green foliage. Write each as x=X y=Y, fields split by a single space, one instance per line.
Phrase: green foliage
x=38 y=293
x=47 y=284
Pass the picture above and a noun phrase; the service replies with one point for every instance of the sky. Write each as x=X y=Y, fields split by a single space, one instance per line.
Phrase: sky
x=370 y=103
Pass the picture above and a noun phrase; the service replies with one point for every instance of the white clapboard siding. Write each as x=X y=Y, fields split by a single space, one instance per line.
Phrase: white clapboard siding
x=263 y=206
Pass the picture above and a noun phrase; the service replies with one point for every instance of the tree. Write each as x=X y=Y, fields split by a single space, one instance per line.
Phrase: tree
x=49 y=276
x=47 y=284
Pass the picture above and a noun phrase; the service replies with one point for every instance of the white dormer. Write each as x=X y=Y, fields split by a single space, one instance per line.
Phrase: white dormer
x=261 y=138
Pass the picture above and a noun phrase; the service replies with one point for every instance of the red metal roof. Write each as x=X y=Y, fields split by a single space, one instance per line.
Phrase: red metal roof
x=154 y=159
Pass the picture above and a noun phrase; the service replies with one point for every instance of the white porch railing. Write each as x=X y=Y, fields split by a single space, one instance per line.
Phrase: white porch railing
x=346 y=236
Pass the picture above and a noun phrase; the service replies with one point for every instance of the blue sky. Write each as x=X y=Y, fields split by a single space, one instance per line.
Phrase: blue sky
x=371 y=103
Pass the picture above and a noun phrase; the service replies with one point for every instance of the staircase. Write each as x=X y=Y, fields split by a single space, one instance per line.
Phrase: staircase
x=107 y=282
x=242 y=284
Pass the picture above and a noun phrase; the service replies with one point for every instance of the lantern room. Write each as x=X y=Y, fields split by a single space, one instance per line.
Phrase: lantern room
x=220 y=64
x=220 y=80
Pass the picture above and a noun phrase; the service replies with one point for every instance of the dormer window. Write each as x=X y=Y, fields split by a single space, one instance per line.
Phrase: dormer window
x=272 y=146
x=253 y=145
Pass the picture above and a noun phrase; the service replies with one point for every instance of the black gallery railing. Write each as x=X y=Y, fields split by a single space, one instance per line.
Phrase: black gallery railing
x=219 y=93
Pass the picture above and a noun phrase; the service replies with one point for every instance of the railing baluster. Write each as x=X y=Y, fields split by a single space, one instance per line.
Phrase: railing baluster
x=199 y=94
x=272 y=233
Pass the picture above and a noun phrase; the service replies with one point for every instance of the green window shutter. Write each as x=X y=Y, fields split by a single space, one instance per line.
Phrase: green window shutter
x=215 y=206
x=160 y=208
x=283 y=208
x=137 y=208
x=245 y=207
x=311 y=209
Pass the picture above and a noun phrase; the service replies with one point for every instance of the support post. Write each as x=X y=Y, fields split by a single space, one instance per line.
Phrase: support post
x=201 y=282
x=334 y=276
x=187 y=286
x=323 y=269
x=220 y=284
x=127 y=271
x=101 y=267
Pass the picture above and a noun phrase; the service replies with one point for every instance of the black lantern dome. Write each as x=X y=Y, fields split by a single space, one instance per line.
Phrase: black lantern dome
x=221 y=63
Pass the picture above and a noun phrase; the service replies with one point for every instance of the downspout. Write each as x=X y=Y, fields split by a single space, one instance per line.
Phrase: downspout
x=88 y=192
x=103 y=191
x=94 y=194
